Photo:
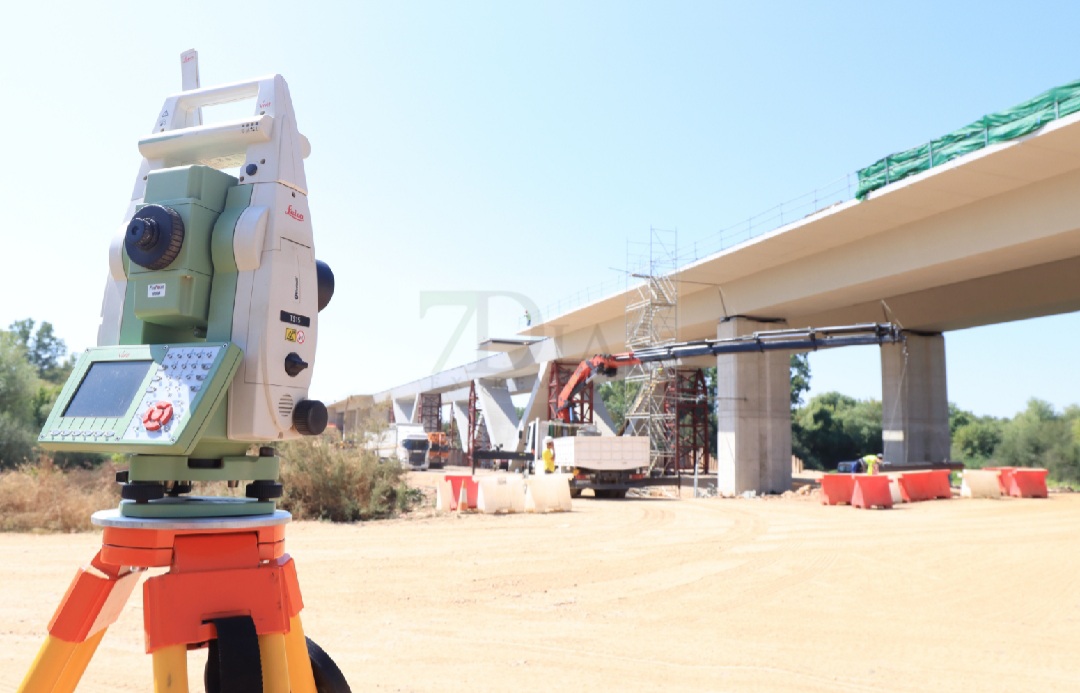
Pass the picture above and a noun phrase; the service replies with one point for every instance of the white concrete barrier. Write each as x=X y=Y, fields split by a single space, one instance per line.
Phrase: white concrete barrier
x=500 y=493
x=980 y=483
x=548 y=492
x=493 y=495
x=443 y=493
x=516 y=487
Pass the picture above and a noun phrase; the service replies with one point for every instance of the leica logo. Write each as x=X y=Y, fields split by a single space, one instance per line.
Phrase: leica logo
x=294 y=214
x=125 y=354
x=264 y=104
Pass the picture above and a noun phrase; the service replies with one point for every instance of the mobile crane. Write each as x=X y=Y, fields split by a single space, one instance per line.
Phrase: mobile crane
x=614 y=482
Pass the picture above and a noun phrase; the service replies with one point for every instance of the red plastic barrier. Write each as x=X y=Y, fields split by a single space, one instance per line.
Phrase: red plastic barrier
x=871 y=490
x=1004 y=478
x=1028 y=483
x=837 y=488
x=920 y=486
x=472 y=493
x=455 y=488
x=472 y=490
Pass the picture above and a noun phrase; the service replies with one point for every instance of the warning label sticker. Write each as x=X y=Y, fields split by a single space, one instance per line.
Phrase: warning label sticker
x=155 y=290
x=294 y=335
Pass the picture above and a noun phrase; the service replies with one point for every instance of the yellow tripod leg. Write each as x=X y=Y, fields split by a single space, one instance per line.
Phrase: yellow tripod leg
x=48 y=666
x=275 y=666
x=300 y=675
x=170 y=669
x=76 y=664
x=60 y=664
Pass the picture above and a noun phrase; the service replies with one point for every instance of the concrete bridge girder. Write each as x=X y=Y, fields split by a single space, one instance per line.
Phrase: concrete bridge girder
x=990 y=237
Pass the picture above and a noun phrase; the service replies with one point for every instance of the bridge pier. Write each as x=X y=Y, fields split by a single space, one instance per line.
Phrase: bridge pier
x=753 y=401
x=500 y=418
x=914 y=401
x=404 y=409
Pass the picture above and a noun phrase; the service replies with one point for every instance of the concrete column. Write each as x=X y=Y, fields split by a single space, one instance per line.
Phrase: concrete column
x=601 y=415
x=914 y=401
x=538 y=403
x=500 y=417
x=460 y=412
x=754 y=415
x=404 y=409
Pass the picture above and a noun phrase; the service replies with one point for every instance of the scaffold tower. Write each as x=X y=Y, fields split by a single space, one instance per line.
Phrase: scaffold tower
x=651 y=321
x=431 y=411
x=688 y=398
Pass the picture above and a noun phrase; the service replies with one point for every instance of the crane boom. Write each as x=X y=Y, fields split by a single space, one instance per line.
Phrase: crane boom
x=808 y=339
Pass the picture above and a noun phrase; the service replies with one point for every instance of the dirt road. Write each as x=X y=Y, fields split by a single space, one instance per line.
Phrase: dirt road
x=645 y=595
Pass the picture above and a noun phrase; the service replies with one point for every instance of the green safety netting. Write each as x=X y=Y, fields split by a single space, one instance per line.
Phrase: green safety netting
x=990 y=129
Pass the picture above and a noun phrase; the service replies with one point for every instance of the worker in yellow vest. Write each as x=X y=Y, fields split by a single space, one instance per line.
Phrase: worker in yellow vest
x=872 y=462
x=549 y=455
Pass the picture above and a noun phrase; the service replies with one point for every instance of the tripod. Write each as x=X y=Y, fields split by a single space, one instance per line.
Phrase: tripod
x=230 y=587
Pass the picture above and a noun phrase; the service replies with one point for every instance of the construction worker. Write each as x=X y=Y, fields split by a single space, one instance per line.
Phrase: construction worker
x=549 y=455
x=528 y=319
x=871 y=462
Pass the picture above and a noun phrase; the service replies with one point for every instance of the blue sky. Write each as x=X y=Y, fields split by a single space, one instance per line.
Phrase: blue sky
x=516 y=147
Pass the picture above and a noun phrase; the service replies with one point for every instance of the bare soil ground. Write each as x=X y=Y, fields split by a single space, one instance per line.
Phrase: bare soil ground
x=650 y=594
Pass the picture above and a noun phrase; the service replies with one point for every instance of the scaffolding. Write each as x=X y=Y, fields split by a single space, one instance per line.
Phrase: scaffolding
x=431 y=412
x=652 y=321
x=688 y=400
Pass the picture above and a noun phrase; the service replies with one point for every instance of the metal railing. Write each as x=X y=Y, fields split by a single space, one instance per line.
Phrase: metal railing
x=838 y=191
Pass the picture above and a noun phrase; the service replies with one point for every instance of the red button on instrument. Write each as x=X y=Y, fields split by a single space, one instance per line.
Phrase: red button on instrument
x=157 y=416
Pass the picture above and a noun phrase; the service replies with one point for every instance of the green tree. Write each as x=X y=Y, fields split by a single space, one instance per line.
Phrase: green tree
x=834 y=428
x=958 y=418
x=1040 y=437
x=617 y=396
x=974 y=438
x=975 y=443
x=18 y=383
x=800 y=378
x=44 y=350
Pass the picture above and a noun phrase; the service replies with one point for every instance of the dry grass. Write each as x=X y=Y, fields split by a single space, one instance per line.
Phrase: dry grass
x=325 y=481
x=43 y=498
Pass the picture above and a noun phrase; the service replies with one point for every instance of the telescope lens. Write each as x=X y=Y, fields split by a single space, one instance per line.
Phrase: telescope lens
x=154 y=237
x=144 y=232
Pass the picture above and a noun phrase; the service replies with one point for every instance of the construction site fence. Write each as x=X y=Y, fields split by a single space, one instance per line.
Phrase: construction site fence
x=1009 y=124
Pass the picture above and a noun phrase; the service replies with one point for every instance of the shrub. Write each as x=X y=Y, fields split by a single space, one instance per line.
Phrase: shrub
x=326 y=481
x=44 y=498
x=16 y=442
